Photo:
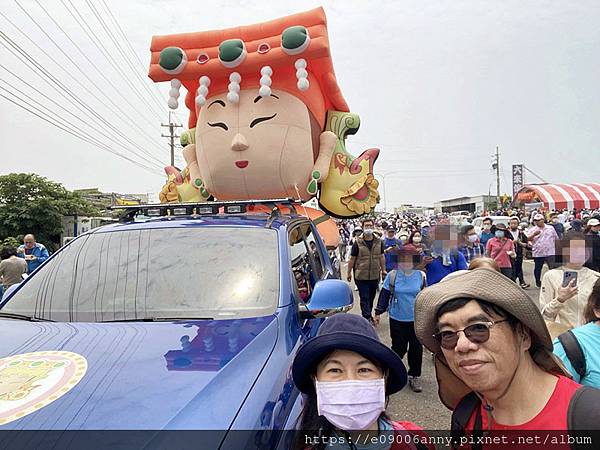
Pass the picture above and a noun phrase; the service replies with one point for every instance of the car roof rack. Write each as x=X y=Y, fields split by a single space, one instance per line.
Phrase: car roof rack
x=156 y=210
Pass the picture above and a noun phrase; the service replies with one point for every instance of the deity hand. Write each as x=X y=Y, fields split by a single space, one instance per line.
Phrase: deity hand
x=189 y=154
x=327 y=141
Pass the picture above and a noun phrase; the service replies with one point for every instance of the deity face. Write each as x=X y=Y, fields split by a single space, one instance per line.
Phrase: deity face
x=256 y=148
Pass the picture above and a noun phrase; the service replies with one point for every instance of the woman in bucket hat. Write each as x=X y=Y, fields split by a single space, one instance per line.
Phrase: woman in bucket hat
x=493 y=351
x=347 y=375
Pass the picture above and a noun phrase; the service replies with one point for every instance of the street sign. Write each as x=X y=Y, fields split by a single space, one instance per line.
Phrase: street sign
x=517 y=178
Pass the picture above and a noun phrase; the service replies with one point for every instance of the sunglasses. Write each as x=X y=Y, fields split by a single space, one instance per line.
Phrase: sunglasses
x=478 y=333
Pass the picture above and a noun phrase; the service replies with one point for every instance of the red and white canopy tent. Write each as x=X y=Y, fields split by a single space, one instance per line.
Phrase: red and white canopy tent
x=559 y=196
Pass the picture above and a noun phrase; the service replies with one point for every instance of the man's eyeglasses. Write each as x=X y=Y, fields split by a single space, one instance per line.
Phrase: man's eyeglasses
x=478 y=333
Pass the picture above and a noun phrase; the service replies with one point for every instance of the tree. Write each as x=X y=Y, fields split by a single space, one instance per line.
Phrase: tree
x=30 y=203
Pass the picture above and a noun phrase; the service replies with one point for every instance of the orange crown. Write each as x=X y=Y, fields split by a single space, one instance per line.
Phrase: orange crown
x=290 y=53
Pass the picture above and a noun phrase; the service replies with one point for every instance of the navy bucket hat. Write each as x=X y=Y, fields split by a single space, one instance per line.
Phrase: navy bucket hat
x=347 y=332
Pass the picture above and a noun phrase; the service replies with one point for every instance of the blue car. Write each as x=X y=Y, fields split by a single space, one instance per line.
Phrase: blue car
x=177 y=322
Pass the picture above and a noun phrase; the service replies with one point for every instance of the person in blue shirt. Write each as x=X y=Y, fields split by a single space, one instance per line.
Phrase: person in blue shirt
x=391 y=245
x=35 y=254
x=588 y=336
x=445 y=257
x=399 y=302
x=486 y=232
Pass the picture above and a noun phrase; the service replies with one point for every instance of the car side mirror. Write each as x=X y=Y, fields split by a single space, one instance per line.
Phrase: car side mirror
x=329 y=297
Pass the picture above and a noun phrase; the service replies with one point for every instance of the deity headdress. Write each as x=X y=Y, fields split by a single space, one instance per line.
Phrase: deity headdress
x=278 y=54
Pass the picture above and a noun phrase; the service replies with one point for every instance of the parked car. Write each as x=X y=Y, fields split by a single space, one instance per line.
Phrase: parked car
x=478 y=221
x=184 y=322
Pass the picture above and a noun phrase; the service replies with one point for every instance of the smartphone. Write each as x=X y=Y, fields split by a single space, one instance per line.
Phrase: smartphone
x=568 y=276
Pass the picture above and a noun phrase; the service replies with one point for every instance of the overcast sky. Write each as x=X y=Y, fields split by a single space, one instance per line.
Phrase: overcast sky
x=437 y=84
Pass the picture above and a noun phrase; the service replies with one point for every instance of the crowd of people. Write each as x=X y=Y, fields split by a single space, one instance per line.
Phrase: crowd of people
x=460 y=292
x=16 y=262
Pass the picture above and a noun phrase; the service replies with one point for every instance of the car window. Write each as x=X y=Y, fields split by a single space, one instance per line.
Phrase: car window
x=316 y=257
x=219 y=273
x=302 y=263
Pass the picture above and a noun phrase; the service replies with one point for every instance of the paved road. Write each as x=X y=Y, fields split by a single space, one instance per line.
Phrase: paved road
x=425 y=408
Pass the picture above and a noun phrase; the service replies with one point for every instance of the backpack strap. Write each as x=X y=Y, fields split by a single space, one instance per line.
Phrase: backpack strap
x=460 y=417
x=574 y=352
x=583 y=418
x=393 y=274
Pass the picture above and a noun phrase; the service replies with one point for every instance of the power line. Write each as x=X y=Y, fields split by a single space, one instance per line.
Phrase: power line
x=98 y=70
x=85 y=108
x=157 y=96
x=158 y=163
x=89 y=32
x=82 y=137
x=30 y=60
x=57 y=117
x=119 y=48
x=68 y=57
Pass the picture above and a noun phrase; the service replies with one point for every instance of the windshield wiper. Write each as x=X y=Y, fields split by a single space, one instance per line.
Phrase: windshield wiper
x=158 y=319
x=23 y=317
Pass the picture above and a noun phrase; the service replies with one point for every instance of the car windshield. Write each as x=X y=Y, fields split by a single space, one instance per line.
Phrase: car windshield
x=153 y=274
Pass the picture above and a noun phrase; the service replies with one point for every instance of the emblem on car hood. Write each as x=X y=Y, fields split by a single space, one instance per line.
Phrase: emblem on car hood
x=30 y=381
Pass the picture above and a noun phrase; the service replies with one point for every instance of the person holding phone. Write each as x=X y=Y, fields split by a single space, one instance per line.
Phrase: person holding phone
x=565 y=290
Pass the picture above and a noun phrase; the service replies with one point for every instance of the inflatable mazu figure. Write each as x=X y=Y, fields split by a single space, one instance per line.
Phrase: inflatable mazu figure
x=267 y=117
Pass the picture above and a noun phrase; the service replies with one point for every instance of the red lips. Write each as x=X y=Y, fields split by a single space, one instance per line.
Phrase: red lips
x=241 y=164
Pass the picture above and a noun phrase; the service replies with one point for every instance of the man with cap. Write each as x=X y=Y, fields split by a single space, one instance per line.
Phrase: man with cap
x=543 y=239
x=391 y=246
x=493 y=357
x=367 y=263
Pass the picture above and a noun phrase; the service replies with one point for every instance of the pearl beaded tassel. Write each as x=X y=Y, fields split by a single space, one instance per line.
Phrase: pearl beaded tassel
x=234 y=87
x=265 y=81
x=202 y=90
x=174 y=93
x=301 y=74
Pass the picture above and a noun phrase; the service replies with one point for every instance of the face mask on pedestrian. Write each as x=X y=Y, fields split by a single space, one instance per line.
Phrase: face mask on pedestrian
x=417 y=239
x=351 y=404
x=424 y=231
x=487 y=227
x=403 y=238
x=499 y=234
x=473 y=238
x=368 y=232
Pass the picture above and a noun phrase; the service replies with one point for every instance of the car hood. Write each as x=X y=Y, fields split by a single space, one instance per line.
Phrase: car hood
x=130 y=375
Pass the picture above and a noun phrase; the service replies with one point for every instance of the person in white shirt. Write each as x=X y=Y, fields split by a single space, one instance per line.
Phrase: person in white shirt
x=566 y=304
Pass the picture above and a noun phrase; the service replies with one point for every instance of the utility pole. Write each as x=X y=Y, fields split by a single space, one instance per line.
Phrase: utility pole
x=171 y=135
x=496 y=165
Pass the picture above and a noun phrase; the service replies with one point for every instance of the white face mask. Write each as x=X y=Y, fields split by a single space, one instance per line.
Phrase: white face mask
x=416 y=240
x=473 y=238
x=351 y=405
x=487 y=227
x=368 y=232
